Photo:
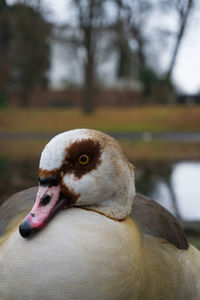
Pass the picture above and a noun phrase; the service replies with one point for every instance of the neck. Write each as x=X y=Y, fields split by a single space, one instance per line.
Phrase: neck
x=118 y=208
x=120 y=205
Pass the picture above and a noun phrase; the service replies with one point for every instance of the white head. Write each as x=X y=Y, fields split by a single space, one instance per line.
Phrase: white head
x=85 y=168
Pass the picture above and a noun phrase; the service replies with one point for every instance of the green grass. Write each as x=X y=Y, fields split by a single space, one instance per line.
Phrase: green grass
x=194 y=241
x=135 y=119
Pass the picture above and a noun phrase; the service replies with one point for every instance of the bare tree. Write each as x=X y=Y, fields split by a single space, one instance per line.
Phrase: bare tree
x=183 y=9
x=132 y=22
x=132 y=19
x=90 y=18
x=122 y=41
x=133 y=40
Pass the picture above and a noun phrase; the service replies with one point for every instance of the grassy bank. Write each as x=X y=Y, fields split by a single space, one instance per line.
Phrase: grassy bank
x=137 y=119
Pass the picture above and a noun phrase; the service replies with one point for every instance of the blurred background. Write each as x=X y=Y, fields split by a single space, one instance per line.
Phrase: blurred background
x=127 y=67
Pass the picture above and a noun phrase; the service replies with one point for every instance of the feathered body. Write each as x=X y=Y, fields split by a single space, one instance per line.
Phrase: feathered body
x=93 y=249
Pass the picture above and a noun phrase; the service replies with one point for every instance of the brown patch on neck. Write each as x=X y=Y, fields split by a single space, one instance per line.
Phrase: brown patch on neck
x=46 y=173
x=70 y=194
x=89 y=147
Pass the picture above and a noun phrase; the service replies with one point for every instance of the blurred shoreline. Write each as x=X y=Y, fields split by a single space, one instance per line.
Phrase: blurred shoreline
x=144 y=136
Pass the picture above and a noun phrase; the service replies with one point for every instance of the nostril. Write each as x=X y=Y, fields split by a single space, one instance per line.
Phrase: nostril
x=45 y=200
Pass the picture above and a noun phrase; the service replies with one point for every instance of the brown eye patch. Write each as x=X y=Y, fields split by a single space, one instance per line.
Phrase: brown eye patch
x=80 y=150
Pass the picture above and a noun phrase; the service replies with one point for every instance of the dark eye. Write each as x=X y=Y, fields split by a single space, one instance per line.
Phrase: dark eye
x=83 y=159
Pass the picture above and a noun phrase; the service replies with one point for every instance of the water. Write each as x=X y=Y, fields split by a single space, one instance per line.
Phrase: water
x=182 y=197
x=186 y=183
x=175 y=185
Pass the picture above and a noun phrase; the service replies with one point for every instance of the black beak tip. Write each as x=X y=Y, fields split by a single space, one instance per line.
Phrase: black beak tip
x=25 y=229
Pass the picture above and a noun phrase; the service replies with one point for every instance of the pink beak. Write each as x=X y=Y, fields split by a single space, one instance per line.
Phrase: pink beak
x=49 y=201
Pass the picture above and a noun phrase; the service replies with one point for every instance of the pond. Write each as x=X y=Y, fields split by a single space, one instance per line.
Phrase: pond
x=177 y=188
x=175 y=185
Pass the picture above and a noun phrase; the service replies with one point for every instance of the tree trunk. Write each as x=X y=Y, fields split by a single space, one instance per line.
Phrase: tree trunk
x=5 y=36
x=88 y=89
x=180 y=35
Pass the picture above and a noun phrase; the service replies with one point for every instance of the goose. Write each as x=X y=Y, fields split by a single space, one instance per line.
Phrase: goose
x=88 y=234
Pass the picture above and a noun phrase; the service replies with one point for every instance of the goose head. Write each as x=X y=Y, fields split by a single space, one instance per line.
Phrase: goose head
x=82 y=168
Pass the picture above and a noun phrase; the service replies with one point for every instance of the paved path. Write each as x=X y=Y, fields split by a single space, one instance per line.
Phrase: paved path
x=145 y=136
